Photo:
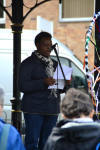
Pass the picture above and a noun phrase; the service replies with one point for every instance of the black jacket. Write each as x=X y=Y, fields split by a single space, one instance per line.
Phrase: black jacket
x=37 y=97
x=76 y=136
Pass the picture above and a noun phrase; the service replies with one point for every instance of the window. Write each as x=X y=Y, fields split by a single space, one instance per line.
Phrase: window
x=63 y=61
x=76 y=10
x=2 y=15
x=78 y=77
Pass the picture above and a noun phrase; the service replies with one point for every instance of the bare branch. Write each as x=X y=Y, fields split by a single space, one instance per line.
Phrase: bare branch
x=32 y=8
x=4 y=9
x=36 y=1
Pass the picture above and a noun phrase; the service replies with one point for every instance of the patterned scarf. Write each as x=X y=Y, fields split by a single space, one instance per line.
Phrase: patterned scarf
x=49 y=68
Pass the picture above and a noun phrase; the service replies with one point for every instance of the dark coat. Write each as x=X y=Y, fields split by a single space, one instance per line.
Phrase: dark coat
x=76 y=136
x=36 y=98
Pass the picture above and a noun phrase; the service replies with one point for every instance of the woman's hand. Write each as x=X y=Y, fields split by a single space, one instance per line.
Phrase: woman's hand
x=49 y=81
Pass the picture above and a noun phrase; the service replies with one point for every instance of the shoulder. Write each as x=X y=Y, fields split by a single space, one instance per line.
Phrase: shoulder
x=14 y=139
x=29 y=60
x=1 y=121
x=12 y=130
x=54 y=140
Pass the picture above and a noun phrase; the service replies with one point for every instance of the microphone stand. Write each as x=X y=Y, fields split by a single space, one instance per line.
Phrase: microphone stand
x=55 y=50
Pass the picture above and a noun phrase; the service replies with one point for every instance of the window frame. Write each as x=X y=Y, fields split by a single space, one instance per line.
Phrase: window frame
x=3 y=19
x=61 y=19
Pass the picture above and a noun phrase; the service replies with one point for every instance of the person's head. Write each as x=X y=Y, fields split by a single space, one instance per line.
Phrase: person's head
x=76 y=104
x=43 y=43
x=1 y=100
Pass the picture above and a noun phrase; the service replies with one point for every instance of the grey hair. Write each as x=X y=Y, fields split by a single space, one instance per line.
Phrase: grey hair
x=1 y=96
x=76 y=103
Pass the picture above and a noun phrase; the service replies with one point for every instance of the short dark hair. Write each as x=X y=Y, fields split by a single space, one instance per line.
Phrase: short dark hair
x=42 y=35
x=76 y=103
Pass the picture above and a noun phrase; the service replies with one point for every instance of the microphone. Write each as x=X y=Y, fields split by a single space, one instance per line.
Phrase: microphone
x=53 y=46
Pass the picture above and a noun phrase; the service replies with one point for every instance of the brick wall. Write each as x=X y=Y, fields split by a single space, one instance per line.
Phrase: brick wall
x=71 y=34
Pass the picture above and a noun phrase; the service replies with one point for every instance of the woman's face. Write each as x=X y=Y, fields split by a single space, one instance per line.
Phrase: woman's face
x=44 y=47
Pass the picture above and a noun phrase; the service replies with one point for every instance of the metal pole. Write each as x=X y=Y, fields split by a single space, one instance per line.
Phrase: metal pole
x=17 y=16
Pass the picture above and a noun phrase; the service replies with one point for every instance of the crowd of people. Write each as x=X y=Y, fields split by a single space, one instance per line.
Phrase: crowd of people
x=41 y=106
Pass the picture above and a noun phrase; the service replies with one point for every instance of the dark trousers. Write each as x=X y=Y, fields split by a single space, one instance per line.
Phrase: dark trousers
x=38 y=128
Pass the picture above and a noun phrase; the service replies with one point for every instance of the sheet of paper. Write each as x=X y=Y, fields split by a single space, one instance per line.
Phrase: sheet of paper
x=58 y=75
x=67 y=72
